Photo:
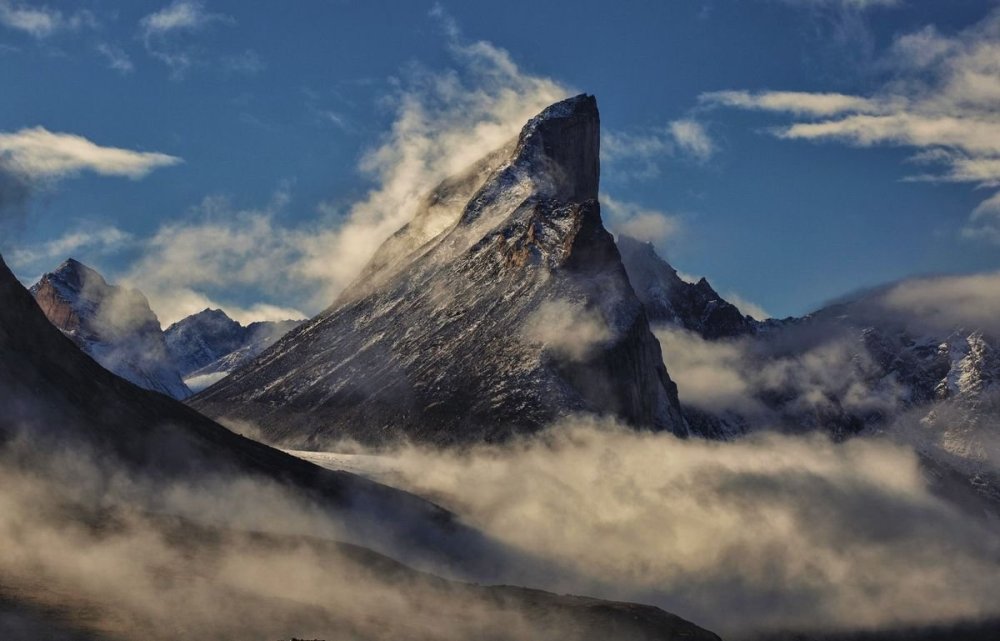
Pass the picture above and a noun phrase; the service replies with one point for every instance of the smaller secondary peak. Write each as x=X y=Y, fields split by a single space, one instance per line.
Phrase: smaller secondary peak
x=74 y=275
x=211 y=313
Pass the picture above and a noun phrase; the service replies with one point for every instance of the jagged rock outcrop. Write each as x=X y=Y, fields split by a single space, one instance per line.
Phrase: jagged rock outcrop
x=500 y=308
x=671 y=300
x=208 y=345
x=114 y=325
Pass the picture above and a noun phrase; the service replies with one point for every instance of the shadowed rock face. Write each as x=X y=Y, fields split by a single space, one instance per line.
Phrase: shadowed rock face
x=210 y=344
x=670 y=300
x=114 y=325
x=501 y=307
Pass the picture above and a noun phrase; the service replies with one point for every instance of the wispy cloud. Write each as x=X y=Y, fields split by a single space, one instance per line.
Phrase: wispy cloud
x=41 y=21
x=637 y=154
x=163 y=33
x=180 y=15
x=116 y=57
x=942 y=101
x=796 y=102
x=692 y=138
x=90 y=240
x=39 y=153
x=746 y=306
x=642 y=223
x=248 y=63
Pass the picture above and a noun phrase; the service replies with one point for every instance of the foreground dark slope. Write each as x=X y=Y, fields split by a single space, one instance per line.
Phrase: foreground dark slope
x=55 y=398
x=54 y=394
x=367 y=597
x=500 y=308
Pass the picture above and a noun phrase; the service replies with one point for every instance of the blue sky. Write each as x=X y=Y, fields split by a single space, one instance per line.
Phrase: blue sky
x=251 y=154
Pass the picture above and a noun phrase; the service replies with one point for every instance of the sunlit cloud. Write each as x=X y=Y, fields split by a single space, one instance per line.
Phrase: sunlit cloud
x=39 y=153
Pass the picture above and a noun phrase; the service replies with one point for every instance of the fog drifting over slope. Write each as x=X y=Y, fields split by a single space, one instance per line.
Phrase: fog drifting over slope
x=766 y=532
x=87 y=547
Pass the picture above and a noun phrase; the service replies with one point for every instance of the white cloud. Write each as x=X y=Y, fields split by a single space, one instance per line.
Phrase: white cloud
x=223 y=251
x=566 y=328
x=639 y=222
x=985 y=220
x=636 y=154
x=41 y=21
x=39 y=153
x=180 y=15
x=831 y=374
x=692 y=138
x=949 y=302
x=116 y=57
x=942 y=101
x=91 y=240
x=796 y=102
x=746 y=306
x=163 y=31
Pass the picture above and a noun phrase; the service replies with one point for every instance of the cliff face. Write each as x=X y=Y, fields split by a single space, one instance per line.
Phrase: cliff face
x=114 y=325
x=501 y=307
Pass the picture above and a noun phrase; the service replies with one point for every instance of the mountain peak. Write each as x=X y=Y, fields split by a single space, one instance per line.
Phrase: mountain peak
x=76 y=276
x=501 y=307
x=566 y=137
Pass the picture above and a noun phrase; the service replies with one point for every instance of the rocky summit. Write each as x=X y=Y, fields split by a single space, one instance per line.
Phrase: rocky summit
x=501 y=307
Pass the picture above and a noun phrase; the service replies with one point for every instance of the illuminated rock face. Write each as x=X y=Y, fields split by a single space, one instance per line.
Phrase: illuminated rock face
x=113 y=325
x=502 y=307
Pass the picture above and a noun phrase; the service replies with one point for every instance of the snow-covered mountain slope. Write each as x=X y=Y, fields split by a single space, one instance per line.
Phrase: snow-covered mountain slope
x=502 y=306
x=208 y=345
x=114 y=325
x=671 y=300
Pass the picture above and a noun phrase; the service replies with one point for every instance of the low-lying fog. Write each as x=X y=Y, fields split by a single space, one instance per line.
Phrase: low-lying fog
x=766 y=532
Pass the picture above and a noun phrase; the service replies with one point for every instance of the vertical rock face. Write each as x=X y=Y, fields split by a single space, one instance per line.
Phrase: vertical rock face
x=671 y=300
x=500 y=308
x=114 y=325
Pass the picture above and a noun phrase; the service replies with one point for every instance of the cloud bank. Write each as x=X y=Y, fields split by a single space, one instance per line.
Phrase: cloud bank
x=767 y=532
